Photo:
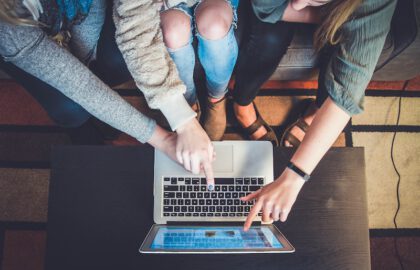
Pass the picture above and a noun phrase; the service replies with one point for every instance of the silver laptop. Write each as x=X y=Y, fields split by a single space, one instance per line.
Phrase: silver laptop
x=191 y=219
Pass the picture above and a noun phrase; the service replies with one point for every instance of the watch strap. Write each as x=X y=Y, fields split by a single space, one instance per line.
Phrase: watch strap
x=298 y=171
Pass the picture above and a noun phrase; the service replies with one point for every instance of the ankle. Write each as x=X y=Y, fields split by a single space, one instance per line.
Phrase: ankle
x=215 y=100
x=310 y=115
x=246 y=115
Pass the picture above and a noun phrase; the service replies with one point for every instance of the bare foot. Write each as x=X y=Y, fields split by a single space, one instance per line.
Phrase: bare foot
x=246 y=115
x=308 y=118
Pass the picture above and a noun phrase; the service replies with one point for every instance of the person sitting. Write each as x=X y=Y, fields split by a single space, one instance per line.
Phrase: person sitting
x=35 y=35
x=351 y=34
x=213 y=23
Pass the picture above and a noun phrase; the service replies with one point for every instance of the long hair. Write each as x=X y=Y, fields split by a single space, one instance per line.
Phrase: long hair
x=8 y=14
x=335 y=14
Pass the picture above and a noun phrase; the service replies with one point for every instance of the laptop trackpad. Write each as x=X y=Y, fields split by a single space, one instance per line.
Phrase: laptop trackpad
x=224 y=159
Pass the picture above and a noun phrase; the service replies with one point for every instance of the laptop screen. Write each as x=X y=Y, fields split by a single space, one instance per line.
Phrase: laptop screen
x=179 y=238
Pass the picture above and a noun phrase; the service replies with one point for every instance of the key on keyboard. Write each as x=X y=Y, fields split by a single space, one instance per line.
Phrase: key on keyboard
x=186 y=197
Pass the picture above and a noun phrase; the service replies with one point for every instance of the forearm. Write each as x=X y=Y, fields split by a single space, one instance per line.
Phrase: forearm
x=327 y=125
x=57 y=67
x=139 y=38
x=306 y=15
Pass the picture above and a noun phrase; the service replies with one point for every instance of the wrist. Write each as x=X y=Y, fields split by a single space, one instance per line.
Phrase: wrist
x=159 y=138
x=187 y=126
x=298 y=171
x=177 y=111
x=293 y=178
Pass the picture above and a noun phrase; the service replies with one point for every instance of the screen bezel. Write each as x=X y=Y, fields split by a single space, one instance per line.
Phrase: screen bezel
x=145 y=247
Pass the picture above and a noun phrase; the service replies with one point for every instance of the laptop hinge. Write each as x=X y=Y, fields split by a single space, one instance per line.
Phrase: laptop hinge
x=214 y=223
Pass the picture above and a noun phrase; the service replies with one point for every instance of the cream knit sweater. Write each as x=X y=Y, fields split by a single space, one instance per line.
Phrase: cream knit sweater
x=139 y=38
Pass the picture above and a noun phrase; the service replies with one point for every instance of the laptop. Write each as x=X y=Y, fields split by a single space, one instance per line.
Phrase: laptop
x=191 y=219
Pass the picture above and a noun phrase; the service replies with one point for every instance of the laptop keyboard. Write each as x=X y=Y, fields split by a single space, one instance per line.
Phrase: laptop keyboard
x=189 y=197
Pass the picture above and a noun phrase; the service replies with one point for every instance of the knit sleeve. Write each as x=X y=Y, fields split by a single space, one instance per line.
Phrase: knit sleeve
x=139 y=38
x=32 y=51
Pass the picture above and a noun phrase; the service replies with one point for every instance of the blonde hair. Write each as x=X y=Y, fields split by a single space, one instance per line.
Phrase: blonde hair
x=335 y=14
x=8 y=14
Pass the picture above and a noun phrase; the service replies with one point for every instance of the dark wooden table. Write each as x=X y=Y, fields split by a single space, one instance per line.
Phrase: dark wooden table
x=100 y=209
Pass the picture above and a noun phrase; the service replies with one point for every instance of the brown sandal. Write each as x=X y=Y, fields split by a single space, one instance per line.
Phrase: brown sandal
x=300 y=123
x=269 y=136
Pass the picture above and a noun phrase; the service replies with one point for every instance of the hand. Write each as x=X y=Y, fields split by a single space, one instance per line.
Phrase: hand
x=195 y=151
x=275 y=199
x=165 y=141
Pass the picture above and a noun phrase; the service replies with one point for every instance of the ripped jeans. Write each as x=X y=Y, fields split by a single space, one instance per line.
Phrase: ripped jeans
x=218 y=57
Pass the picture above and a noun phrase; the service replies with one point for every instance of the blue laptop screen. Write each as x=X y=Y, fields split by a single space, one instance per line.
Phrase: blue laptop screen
x=214 y=238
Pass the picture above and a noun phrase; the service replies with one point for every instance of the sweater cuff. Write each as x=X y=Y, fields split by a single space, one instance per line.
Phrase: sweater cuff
x=177 y=111
x=147 y=130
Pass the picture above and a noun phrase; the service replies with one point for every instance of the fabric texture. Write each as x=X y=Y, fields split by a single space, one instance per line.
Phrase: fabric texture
x=348 y=67
x=270 y=11
x=31 y=50
x=61 y=15
x=139 y=38
x=218 y=57
x=346 y=72
x=61 y=109
x=173 y=3
x=264 y=46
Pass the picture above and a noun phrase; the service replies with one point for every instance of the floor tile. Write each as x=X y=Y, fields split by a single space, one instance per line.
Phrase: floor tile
x=24 y=194
x=383 y=256
x=24 y=250
x=19 y=108
x=382 y=179
x=384 y=111
x=414 y=84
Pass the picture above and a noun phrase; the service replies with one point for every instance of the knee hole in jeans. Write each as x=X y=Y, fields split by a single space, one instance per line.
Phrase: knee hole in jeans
x=176 y=28
x=214 y=19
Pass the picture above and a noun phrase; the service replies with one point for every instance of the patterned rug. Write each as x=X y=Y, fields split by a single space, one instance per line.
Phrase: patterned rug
x=27 y=135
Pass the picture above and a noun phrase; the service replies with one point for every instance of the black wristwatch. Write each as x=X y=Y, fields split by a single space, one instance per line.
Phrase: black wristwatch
x=301 y=173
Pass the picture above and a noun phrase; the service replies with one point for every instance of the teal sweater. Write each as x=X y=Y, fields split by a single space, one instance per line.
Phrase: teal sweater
x=351 y=63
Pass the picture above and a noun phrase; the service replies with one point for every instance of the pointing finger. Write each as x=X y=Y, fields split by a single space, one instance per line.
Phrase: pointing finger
x=252 y=214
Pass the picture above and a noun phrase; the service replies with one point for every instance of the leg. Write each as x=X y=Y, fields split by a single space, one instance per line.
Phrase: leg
x=109 y=65
x=60 y=108
x=217 y=51
x=294 y=134
x=217 y=46
x=176 y=29
x=258 y=59
x=85 y=36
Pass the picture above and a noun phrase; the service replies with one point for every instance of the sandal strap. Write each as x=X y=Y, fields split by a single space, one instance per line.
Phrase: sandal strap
x=254 y=126
x=270 y=136
x=257 y=123
x=291 y=139
x=302 y=124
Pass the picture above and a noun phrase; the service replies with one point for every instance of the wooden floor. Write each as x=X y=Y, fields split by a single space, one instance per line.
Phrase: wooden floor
x=27 y=135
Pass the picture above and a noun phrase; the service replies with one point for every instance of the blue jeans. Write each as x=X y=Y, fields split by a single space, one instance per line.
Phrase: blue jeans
x=218 y=57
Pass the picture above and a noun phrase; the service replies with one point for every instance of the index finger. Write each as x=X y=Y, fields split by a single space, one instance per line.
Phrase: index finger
x=252 y=214
x=208 y=171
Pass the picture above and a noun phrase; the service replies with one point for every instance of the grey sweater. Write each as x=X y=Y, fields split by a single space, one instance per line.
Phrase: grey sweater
x=140 y=40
